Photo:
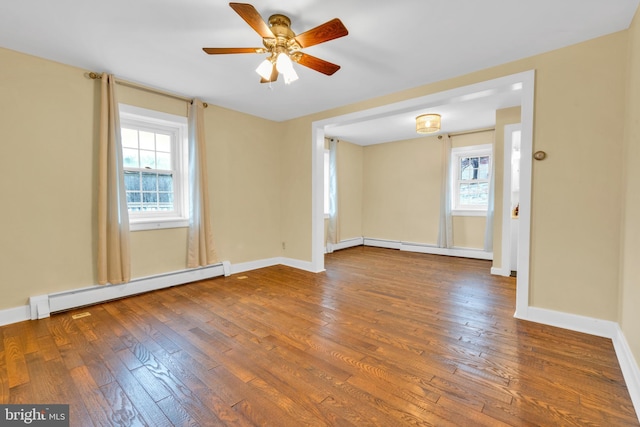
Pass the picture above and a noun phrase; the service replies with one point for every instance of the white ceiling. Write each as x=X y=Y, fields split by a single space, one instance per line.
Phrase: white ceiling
x=391 y=46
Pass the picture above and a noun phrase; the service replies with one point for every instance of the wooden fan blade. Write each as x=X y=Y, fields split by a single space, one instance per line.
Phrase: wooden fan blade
x=273 y=78
x=253 y=18
x=322 y=33
x=318 y=64
x=224 y=50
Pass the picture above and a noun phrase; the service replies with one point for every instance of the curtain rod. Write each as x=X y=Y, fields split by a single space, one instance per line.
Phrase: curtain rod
x=97 y=76
x=471 y=131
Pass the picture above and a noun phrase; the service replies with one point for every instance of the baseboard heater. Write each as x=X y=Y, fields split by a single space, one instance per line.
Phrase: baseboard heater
x=43 y=305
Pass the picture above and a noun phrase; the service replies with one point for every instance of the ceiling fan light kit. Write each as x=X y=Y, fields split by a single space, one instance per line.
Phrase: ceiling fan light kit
x=283 y=46
x=428 y=123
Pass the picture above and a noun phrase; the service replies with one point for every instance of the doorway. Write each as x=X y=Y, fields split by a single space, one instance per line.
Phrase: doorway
x=525 y=81
x=511 y=199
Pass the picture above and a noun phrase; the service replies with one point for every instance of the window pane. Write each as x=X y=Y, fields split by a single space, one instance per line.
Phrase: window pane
x=147 y=140
x=165 y=182
x=483 y=167
x=132 y=181
x=149 y=201
x=163 y=142
x=133 y=201
x=130 y=157
x=469 y=168
x=148 y=159
x=129 y=137
x=149 y=182
x=165 y=201
x=474 y=194
x=163 y=160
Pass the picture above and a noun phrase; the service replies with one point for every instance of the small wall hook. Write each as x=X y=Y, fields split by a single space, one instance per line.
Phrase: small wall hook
x=539 y=155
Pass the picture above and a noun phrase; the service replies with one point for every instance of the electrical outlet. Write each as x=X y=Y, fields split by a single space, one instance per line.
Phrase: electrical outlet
x=284 y=245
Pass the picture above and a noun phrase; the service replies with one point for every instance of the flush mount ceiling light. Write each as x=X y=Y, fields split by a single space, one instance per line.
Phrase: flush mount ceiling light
x=282 y=45
x=428 y=123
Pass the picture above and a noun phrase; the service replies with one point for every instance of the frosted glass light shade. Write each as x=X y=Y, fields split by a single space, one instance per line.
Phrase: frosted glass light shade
x=264 y=69
x=428 y=123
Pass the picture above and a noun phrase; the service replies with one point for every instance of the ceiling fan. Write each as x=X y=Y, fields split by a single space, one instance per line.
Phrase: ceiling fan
x=283 y=45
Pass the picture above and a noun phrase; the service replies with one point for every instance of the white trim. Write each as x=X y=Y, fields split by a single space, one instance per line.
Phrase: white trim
x=524 y=212
x=629 y=366
x=382 y=243
x=500 y=271
x=506 y=197
x=455 y=252
x=348 y=243
x=254 y=265
x=15 y=315
x=270 y=262
x=177 y=126
x=572 y=322
x=39 y=307
x=469 y=212
x=525 y=79
x=484 y=150
x=96 y=294
x=300 y=265
x=428 y=249
x=602 y=328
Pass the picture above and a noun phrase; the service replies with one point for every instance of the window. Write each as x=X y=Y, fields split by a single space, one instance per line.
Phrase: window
x=327 y=184
x=154 y=149
x=471 y=171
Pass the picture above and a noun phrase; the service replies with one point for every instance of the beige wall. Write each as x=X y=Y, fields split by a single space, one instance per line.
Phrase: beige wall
x=401 y=195
x=630 y=290
x=575 y=247
x=48 y=117
x=402 y=186
x=350 y=175
x=262 y=180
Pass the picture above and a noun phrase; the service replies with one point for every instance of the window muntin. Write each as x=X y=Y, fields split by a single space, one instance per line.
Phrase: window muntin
x=155 y=168
x=471 y=172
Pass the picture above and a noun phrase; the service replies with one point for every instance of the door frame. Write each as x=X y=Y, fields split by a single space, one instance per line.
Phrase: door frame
x=525 y=80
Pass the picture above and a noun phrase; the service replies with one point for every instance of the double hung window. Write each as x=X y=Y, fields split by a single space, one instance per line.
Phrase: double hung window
x=155 y=168
x=471 y=172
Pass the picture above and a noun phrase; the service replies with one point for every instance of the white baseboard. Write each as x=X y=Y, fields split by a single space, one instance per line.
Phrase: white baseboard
x=573 y=322
x=382 y=243
x=629 y=366
x=269 y=262
x=428 y=249
x=42 y=305
x=500 y=271
x=300 y=265
x=254 y=265
x=456 y=252
x=14 y=315
x=344 y=244
x=602 y=328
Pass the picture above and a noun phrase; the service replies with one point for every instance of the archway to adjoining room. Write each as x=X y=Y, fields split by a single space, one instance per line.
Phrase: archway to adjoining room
x=525 y=83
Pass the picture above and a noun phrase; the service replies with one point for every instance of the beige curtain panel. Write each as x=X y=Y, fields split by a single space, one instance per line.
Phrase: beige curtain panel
x=114 y=264
x=200 y=251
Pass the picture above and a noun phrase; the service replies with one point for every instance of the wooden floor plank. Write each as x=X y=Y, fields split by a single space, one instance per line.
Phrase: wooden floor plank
x=382 y=338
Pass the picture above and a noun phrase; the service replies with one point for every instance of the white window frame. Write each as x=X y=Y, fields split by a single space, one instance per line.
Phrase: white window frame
x=144 y=119
x=457 y=153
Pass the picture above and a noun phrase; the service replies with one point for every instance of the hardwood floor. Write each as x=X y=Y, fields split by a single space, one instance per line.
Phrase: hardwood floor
x=383 y=338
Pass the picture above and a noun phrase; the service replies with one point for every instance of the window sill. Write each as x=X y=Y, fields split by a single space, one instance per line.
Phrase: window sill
x=468 y=212
x=157 y=224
